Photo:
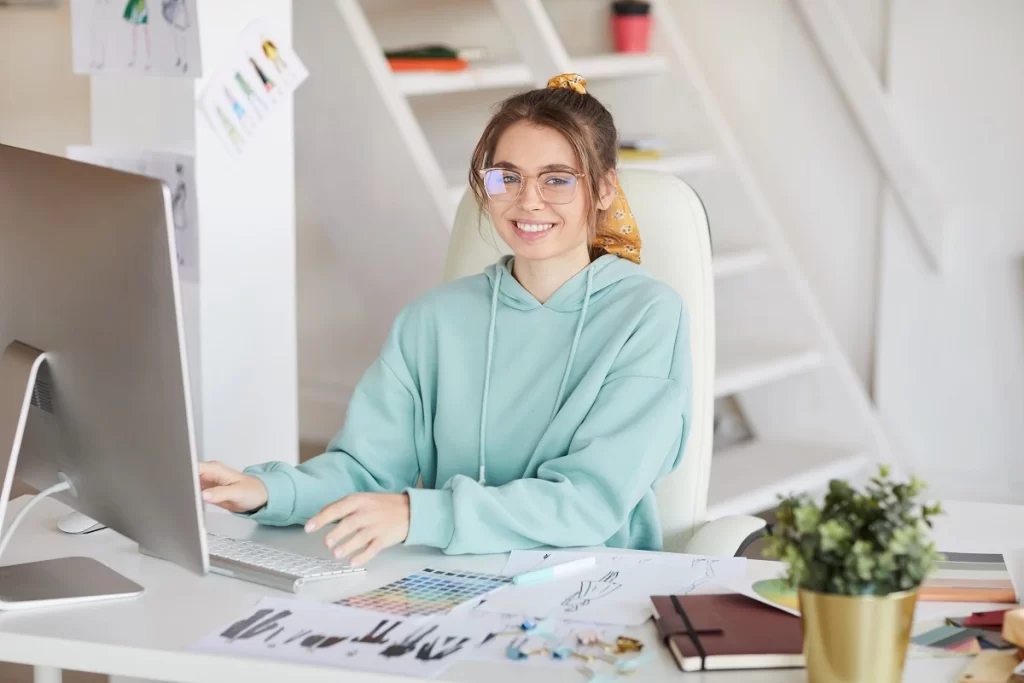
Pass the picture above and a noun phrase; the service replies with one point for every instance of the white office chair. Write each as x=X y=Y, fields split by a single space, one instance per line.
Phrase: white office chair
x=677 y=251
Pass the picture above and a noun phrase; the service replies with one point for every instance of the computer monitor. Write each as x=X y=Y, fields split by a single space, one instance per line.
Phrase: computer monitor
x=93 y=375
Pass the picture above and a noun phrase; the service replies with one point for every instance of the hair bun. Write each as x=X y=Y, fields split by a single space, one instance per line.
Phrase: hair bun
x=573 y=82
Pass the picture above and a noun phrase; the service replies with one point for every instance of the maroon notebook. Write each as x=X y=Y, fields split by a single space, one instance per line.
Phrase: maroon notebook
x=728 y=631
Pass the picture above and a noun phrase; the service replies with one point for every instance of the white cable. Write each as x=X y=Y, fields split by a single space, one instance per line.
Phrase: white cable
x=56 y=488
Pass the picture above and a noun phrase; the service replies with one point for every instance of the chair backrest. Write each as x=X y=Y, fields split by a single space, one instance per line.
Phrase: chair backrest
x=676 y=250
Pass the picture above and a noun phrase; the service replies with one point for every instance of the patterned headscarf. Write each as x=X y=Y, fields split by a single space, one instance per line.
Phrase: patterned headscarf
x=617 y=233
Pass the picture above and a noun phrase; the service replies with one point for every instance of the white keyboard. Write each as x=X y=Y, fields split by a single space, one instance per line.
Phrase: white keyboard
x=268 y=566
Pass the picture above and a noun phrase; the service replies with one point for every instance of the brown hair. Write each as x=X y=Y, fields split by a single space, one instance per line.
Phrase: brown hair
x=580 y=118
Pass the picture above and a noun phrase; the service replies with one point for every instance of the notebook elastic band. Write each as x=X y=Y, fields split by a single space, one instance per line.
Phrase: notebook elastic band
x=690 y=631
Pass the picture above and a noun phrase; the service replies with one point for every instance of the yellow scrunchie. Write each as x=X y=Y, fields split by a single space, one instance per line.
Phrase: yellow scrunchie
x=617 y=233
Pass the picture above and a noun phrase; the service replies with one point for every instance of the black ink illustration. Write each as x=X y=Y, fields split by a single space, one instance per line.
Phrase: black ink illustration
x=377 y=636
x=427 y=653
x=592 y=590
x=322 y=642
x=255 y=625
x=301 y=634
x=410 y=643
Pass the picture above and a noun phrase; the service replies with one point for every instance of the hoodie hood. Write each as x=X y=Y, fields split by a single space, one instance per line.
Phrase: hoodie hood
x=605 y=271
x=574 y=295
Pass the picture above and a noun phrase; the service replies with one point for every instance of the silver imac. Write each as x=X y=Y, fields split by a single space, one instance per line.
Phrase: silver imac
x=94 y=394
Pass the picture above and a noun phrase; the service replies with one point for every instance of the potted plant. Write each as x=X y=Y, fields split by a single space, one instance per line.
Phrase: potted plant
x=857 y=562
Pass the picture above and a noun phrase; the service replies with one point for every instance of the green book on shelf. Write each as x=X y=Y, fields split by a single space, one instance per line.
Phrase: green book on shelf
x=437 y=51
x=423 y=52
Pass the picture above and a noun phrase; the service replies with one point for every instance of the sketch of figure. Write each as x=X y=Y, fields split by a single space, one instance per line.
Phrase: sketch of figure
x=179 y=200
x=704 y=571
x=236 y=107
x=250 y=94
x=274 y=55
x=592 y=590
x=175 y=13
x=230 y=129
x=98 y=39
x=268 y=84
x=137 y=14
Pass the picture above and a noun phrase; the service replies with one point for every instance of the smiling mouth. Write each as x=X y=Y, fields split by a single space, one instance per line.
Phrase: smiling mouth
x=533 y=227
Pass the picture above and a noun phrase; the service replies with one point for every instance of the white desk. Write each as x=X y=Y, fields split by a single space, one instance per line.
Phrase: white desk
x=147 y=637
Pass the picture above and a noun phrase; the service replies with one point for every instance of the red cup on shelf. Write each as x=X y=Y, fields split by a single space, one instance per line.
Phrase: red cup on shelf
x=631 y=25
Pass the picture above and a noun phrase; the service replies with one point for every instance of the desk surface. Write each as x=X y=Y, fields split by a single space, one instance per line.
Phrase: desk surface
x=148 y=637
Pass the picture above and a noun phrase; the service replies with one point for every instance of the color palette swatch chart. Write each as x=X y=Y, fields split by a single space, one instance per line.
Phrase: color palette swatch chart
x=429 y=591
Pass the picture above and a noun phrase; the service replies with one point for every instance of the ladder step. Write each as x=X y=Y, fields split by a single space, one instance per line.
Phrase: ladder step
x=478 y=77
x=738 y=261
x=748 y=478
x=743 y=367
x=615 y=65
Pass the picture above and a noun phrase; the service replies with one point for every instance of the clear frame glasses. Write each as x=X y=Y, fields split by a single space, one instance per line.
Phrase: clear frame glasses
x=505 y=185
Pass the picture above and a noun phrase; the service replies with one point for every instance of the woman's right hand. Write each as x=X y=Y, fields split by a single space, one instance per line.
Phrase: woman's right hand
x=230 y=489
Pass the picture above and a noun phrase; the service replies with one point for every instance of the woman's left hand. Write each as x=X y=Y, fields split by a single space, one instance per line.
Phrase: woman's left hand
x=373 y=520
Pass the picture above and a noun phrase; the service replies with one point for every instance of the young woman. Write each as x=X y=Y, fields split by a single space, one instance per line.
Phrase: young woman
x=540 y=401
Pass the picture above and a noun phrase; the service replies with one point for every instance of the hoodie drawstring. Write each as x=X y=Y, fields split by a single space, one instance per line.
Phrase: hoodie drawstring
x=575 y=343
x=490 y=355
x=487 y=379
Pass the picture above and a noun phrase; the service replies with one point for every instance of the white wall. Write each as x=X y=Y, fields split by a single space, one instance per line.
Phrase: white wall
x=951 y=348
x=43 y=106
x=803 y=145
x=365 y=245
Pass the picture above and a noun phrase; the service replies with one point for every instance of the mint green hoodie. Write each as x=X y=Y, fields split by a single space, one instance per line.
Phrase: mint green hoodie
x=531 y=424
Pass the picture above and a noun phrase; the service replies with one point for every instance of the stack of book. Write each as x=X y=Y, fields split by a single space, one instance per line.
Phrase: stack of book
x=970 y=577
x=432 y=58
x=641 y=148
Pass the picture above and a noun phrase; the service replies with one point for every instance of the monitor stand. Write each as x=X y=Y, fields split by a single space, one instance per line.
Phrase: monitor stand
x=47 y=583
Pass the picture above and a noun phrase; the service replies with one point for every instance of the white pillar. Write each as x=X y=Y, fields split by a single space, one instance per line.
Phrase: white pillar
x=240 y=316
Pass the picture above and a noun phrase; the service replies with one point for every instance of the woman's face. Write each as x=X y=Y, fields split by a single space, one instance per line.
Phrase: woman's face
x=536 y=229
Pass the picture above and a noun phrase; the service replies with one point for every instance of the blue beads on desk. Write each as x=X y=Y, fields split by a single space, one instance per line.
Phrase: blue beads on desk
x=564 y=652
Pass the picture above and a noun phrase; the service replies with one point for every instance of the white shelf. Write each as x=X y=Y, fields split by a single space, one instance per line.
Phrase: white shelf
x=481 y=77
x=615 y=65
x=675 y=163
x=748 y=478
x=742 y=367
x=738 y=261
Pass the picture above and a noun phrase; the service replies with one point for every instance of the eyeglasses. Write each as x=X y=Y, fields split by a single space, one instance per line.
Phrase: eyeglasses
x=555 y=187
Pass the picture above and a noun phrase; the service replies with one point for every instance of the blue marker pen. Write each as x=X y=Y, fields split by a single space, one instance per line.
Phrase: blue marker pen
x=545 y=573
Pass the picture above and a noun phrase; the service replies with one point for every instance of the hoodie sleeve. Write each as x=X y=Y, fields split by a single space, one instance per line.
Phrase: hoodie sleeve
x=633 y=434
x=381 y=456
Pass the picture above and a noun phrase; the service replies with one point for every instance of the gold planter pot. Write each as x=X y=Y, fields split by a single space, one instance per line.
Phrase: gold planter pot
x=856 y=638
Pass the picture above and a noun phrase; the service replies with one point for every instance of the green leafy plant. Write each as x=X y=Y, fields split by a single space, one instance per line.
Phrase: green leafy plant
x=870 y=542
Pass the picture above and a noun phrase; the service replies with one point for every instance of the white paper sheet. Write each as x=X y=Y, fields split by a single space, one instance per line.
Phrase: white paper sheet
x=178 y=171
x=331 y=635
x=520 y=561
x=256 y=76
x=144 y=37
x=616 y=590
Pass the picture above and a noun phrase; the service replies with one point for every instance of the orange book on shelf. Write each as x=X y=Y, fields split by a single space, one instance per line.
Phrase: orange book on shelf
x=427 y=64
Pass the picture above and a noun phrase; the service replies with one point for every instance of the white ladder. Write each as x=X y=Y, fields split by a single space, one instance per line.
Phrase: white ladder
x=777 y=357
